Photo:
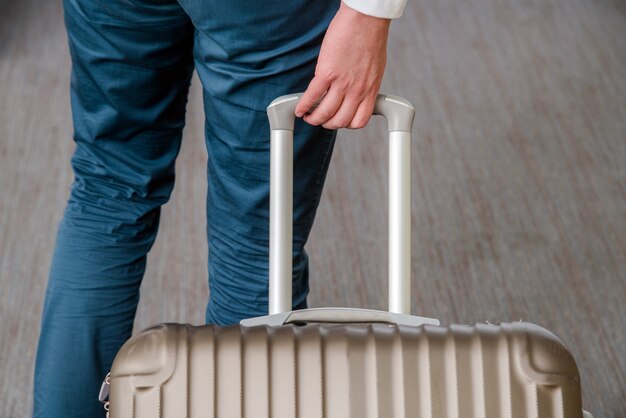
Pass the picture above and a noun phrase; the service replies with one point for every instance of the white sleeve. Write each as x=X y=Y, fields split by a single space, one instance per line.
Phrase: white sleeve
x=388 y=9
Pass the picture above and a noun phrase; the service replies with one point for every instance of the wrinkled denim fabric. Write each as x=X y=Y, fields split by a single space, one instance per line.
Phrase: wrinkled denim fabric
x=132 y=61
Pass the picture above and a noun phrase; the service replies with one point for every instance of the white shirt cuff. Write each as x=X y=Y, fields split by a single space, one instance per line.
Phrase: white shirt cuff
x=388 y=9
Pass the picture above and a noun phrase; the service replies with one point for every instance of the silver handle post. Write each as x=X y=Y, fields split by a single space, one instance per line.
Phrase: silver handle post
x=400 y=222
x=281 y=220
x=399 y=114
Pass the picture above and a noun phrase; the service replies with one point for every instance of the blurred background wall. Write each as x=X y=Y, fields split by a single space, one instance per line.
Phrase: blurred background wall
x=519 y=207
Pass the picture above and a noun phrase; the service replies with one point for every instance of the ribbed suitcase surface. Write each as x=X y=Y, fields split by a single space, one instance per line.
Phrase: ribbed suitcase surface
x=360 y=368
x=515 y=370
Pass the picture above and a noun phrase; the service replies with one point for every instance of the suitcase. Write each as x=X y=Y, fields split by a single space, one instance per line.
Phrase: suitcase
x=340 y=362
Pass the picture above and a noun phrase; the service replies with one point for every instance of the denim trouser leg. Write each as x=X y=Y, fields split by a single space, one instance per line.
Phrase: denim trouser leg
x=131 y=69
x=253 y=53
x=131 y=65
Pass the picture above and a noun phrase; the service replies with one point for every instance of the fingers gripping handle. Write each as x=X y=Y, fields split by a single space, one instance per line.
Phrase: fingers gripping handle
x=399 y=114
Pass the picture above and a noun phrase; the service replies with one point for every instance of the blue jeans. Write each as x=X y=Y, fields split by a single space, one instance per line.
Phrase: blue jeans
x=132 y=62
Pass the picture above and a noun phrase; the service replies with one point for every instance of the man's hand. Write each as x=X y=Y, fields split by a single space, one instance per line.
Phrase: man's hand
x=349 y=71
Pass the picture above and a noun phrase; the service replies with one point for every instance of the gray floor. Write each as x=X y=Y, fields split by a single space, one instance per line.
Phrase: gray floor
x=519 y=176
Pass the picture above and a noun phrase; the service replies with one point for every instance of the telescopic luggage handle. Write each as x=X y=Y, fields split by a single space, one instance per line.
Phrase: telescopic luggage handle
x=399 y=114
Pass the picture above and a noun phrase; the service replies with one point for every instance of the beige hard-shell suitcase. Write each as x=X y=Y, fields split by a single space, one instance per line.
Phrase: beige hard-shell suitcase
x=340 y=362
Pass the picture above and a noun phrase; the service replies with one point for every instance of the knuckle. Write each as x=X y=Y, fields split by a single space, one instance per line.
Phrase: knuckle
x=358 y=123
x=322 y=117
x=359 y=88
x=330 y=126
x=343 y=123
x=305 y=101
x=311 y=121
x=344 y=84
x=327 y=74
